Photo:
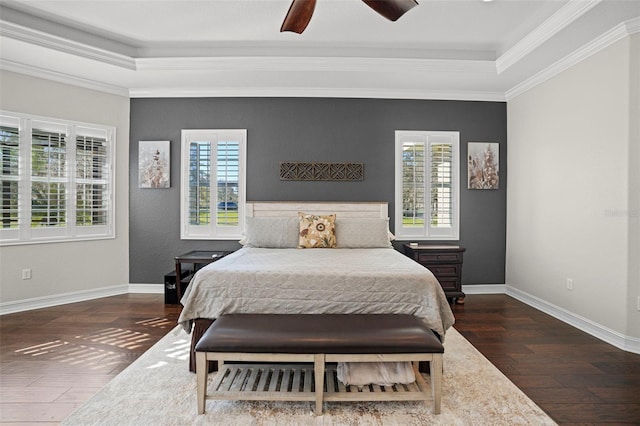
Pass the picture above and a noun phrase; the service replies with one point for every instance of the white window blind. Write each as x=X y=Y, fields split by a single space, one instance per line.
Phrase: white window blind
x=48 y=175
x=199 y=183
x=57 y=180
x=427 y=185
x=228 y=176
x=441 y=179
x=93 y=175
x=213 y=184
x=9 y=174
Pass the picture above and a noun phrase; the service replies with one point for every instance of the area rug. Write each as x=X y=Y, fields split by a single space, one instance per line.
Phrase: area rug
x=158 y=389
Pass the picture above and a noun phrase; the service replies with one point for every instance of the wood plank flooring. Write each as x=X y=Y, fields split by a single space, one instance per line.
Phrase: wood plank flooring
x=571 y=375
x=54 y=359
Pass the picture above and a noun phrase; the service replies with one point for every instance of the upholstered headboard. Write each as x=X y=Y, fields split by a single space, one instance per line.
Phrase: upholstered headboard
x=341 y=209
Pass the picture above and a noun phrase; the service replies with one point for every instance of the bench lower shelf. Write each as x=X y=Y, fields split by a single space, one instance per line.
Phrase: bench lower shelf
x=296 y=382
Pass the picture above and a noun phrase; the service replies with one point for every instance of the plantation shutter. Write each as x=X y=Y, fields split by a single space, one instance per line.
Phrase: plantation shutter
x=48 y=176
x=426 y=185
x=56 y=178
x=413 y=184
x=228 y=175
x=9 y=175
x=92 y=180
x=441 y=187
x=213 y=183
x=199 y=183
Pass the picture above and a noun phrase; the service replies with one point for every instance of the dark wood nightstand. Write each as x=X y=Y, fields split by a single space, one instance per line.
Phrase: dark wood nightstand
x=198 y=259
x=445 y=262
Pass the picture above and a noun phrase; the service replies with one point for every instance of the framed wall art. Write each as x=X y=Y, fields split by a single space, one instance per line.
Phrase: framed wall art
x=154 y=164
x=484 y=161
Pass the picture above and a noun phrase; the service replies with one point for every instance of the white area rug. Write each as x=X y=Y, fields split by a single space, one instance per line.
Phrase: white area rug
x=158 y=389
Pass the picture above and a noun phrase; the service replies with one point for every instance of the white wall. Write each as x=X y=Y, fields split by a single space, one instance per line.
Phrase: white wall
x=70 y=267
x=633 y=301
x=568 y=200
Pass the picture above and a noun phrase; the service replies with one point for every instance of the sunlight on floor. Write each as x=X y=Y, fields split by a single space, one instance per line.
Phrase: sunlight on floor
x=158 y=322
x=119 y=337
x=73 y=354
x=180 y=349
x=93 y=350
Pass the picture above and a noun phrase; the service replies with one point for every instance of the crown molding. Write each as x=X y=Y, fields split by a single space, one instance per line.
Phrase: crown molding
x=632 y=26
x=48 y=41
x=285 y=63
x=605 y=40
x=556 y=23
x=32 y=71
x=466 y=68
x=315 y=92
x=295 y=64
x=232 y=63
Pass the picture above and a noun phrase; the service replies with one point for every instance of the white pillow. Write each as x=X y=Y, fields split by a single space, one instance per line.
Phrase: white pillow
x=362 y=233
x=272 y=232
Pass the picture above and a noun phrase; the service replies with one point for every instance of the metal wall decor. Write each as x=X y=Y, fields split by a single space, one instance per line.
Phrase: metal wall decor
x=321 y=171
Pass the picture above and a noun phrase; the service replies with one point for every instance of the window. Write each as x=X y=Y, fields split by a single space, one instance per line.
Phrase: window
x=57 y=180
x=427 y=185
x=213 y=184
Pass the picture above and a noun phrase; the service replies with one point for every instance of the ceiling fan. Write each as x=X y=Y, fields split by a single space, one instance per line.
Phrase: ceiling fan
x=300 y=12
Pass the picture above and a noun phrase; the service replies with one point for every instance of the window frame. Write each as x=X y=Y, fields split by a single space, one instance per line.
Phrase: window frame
x=427 y=231
x=26 y=232
x=212 y=231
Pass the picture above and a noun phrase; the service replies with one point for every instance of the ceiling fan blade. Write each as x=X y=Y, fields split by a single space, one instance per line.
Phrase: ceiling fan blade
x=391 y=9
x=299 y=15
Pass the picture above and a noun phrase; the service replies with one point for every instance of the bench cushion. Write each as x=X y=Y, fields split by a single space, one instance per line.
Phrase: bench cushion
x=326 y=333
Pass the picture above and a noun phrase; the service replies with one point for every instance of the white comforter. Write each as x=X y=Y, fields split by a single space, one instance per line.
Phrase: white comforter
x=316 y=281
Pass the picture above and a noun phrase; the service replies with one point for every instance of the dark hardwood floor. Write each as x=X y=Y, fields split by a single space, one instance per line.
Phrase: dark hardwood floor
x=54 y=359
x=574 y=377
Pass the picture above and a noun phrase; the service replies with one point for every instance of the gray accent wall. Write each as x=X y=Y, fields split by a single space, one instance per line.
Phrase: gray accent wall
x=313 y=130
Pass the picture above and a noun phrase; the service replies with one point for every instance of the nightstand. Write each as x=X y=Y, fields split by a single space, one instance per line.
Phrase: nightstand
x=445 y=262
x=197 y=259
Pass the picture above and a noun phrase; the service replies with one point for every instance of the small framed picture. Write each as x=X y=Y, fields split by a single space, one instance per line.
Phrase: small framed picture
x=154 y=164
x=484 y=161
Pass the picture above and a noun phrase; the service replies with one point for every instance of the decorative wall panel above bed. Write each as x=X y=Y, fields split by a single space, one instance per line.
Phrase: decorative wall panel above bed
x=321 y=171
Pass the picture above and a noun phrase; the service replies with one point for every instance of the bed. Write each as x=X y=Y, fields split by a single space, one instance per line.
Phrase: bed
x=270 y=274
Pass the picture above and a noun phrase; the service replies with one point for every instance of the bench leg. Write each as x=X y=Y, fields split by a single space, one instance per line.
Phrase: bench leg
x=318 y=367
x=436 y=381
x=201 y=380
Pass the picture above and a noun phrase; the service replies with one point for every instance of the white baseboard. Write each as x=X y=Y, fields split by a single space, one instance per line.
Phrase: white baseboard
x=78 y=296
x=619 y=340
x=626 y=343
x=61 y=299
x=146 y=288
x=484 y=289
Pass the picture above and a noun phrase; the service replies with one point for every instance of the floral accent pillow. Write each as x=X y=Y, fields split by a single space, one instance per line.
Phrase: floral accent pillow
x=317 y=231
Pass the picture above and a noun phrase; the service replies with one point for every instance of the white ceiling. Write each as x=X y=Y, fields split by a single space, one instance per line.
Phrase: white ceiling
x=441 y=49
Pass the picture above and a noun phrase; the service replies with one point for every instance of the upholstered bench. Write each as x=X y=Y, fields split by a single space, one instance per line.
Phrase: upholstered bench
x=316 y=339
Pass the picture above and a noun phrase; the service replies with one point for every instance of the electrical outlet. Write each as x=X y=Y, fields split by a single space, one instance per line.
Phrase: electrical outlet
x=26 y=274
x=569 y=284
